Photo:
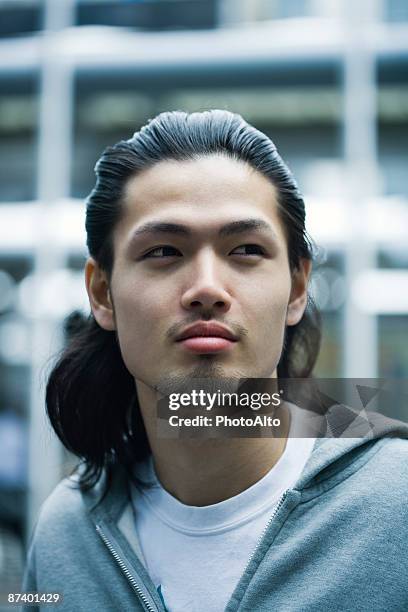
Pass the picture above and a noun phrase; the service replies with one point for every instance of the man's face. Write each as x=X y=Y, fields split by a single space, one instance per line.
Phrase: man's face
x=200 y=241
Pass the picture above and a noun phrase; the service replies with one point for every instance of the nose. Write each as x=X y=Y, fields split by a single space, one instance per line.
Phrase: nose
x=205 y=292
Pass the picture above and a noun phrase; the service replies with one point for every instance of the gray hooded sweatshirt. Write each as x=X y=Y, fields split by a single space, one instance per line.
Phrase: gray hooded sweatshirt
x=337 y=541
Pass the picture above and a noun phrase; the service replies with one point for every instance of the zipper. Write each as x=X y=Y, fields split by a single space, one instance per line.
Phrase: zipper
x=265 y=529
x=139 y=590
x=125 y=570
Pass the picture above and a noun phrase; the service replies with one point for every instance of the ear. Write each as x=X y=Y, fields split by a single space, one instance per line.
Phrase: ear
x=298 y=294
x=97 y=286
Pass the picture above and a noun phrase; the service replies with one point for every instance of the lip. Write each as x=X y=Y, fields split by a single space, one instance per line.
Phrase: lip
x=203 y=345
x=205 y=331
x=204 y=338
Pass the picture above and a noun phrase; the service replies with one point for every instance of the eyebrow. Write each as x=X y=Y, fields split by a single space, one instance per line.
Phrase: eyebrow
x=245 y=225
x=229 y=229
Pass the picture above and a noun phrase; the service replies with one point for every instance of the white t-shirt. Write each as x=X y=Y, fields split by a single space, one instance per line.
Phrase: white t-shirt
x=196 y=555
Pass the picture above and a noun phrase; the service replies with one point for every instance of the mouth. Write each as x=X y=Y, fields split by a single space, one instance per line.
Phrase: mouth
x=204 y=338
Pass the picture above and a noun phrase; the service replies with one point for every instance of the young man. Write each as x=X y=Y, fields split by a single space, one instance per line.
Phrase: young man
x=198 y=270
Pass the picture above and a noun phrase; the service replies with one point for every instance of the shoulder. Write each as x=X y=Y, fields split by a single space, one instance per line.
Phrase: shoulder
x=372 y=473
x=391 y=450
x=379 y=486
x=391 y=461
x=62 y=509
x=60 y=528
x=72 y=510
x=69 y=508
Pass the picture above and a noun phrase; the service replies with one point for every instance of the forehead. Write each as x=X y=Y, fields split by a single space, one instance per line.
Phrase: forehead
x=202 y=192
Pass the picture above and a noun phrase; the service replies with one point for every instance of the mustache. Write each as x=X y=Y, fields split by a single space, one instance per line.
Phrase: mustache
x=174 y=330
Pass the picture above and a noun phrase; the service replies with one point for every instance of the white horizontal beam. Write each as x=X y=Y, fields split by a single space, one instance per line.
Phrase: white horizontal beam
x=379 y=292
x=64 y=224
x=303 y=39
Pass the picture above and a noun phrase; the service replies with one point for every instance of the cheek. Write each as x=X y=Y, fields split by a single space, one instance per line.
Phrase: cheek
x=141 y=302
x=264 y=312
x=140 y=315
x=270 y=325
x=265 y=307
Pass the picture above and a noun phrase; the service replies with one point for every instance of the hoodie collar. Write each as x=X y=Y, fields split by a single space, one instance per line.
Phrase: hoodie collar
x=332 y=454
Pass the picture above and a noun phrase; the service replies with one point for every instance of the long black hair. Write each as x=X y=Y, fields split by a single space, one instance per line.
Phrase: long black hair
x=91 y=397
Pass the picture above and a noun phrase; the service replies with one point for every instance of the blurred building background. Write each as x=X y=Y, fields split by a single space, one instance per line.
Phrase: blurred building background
x=326 y=79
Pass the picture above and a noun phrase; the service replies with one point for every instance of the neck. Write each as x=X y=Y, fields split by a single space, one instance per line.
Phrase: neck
x=201 y=472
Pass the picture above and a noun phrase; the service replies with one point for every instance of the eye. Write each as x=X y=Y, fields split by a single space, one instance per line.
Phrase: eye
x=162 y=251
x=248 y=249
